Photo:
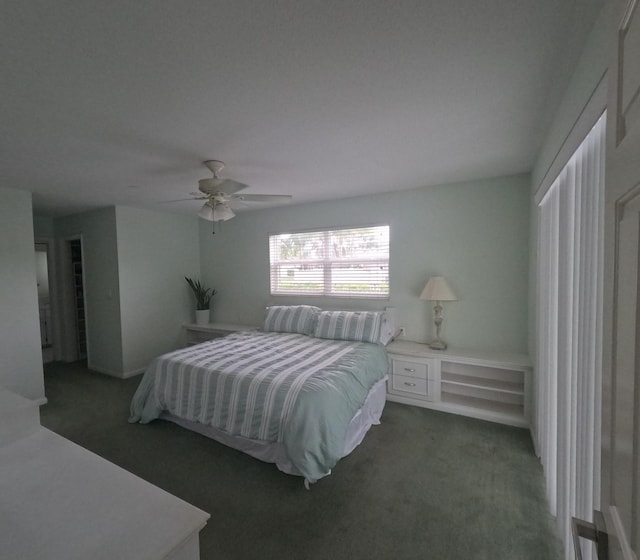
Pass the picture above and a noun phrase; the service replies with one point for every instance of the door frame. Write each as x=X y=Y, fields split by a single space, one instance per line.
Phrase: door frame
x=54 y=291
x=621 y=354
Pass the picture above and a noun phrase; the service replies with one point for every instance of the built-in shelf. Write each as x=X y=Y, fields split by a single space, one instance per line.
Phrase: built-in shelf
x=481 y=383
x=493 y=408
x=488 y=385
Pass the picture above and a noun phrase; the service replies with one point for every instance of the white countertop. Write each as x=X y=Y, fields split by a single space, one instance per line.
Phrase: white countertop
x=412 y=348
x=62 y=502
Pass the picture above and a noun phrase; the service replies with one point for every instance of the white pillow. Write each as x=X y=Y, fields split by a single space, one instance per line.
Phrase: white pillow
x=299 y=319
x=359 y=326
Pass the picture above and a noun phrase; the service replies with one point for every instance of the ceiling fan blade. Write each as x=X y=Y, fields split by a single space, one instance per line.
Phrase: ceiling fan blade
x=184 y=199
x=229 y=186
x=215 y=185
x=263 y=197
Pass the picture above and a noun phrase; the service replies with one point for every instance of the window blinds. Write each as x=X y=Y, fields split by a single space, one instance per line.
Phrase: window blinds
x=340 y=262
x=569 y=338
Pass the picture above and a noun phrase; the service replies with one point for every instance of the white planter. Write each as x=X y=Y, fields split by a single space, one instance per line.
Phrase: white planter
x=202 y=316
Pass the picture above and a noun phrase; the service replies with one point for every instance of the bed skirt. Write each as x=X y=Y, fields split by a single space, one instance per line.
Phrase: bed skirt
x=275 y=452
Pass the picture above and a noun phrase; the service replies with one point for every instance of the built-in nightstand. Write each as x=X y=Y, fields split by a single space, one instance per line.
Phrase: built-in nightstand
x=488 y=385
x=194 y=334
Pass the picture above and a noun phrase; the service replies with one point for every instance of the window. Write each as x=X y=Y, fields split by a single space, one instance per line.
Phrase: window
x=341 y=262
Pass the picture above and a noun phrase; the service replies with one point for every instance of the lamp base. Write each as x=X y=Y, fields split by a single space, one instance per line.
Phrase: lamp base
x=438 y=345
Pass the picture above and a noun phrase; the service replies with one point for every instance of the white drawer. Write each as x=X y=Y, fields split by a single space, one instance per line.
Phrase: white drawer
x=410 y=369
x=406 y=384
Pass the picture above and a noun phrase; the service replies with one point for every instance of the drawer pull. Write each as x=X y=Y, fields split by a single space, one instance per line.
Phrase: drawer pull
x=409 y=384
x=409 y=369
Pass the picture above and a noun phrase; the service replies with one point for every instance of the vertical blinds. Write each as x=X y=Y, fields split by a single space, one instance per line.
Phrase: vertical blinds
x=339 y=262
x=569 y=339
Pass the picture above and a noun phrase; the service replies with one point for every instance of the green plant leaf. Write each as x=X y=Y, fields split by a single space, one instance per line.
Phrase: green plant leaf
x=203 y=295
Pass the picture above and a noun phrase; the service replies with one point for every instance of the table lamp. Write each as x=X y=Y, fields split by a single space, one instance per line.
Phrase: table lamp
x=437 y=290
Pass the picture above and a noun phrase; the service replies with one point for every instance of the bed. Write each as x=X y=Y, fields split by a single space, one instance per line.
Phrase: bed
x=302 y=393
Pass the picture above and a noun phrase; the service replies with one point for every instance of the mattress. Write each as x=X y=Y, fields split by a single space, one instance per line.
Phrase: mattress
x=284 y=391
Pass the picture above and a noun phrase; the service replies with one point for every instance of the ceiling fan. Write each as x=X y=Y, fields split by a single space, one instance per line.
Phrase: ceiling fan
x=221 y=195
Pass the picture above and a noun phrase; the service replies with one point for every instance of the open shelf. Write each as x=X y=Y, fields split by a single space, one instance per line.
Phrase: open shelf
x=493 y=407
x=482 y=393
x=515 y=387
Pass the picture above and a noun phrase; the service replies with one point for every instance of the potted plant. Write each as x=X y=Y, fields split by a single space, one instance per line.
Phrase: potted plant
x=203 y=300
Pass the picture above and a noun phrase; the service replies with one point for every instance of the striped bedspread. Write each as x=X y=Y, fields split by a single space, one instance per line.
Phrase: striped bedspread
x=289 y=388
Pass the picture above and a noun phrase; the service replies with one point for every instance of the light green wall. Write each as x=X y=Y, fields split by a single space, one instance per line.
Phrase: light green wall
x=20 y=352
x=136 y=297
x=102 y=292
x=475 y=234
x=155 y=252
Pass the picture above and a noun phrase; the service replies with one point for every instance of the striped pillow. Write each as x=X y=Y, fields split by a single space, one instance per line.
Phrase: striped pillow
x=360 y=326
x=299 y=319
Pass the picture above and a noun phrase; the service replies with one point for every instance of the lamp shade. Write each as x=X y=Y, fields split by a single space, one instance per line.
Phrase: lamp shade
x=437 y=289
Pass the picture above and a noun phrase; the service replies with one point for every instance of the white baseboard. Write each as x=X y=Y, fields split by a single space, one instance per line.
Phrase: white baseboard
x=133 y=372
x=118 y=374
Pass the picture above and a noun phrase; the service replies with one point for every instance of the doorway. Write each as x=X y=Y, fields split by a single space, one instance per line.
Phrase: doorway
x=77 y=297
x=45 y=286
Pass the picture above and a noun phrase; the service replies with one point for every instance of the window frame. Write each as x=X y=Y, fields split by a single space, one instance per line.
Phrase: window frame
x=326 y=264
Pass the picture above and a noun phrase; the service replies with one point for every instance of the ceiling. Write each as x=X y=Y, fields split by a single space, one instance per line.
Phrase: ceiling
x=120 y=101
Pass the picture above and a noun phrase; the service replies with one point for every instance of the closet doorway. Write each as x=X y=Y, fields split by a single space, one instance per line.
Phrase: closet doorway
x=71 y=321
x=77 y=297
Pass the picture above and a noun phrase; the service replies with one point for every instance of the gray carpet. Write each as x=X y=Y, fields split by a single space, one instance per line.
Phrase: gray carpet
x=422 y=485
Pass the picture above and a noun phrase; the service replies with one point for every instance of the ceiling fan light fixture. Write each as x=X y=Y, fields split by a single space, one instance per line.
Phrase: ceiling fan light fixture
x=206 y=212
x=215 y=212
x=222 y=213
